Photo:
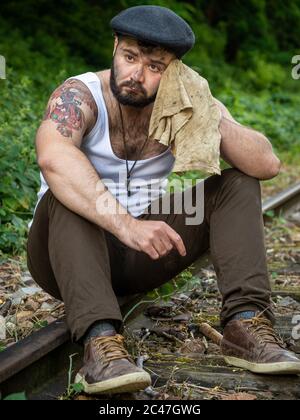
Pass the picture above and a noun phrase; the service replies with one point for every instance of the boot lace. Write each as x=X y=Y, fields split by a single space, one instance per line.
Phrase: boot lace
x=263 y=330
x=111 y=348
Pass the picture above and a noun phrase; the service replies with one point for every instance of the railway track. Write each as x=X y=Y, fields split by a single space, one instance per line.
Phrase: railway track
x=39 y=364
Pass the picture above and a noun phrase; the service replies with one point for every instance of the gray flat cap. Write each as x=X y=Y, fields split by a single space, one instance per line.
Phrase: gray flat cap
x=157 y=25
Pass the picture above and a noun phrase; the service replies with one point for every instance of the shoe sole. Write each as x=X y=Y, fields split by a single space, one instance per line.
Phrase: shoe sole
x=131 y=382
x=280 y=368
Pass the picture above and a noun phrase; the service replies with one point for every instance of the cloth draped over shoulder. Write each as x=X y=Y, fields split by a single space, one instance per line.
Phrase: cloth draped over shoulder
x=185 y=117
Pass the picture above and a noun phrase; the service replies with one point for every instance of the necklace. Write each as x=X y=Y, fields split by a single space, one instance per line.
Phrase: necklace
x=129 y=171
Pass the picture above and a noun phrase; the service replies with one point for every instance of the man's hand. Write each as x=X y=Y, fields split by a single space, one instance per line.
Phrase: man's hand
x=155 y=238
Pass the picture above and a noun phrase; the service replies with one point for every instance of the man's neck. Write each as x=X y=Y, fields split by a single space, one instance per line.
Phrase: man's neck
x=131 y=112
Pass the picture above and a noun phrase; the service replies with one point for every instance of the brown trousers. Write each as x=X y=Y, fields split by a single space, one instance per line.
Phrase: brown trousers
x=87 y=267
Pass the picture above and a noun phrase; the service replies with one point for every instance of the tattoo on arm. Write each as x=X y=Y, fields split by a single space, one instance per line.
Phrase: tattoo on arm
x=65 y=107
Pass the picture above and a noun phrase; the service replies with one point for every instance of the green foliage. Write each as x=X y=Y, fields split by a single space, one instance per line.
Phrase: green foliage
x=73 y=389
x=20 y=396
x=23 y=97
x=270 y=213
x=244 y=49
x=40 y=324
x=272 y=113
x=19 y=177
x=185 y=281
x=265 y=75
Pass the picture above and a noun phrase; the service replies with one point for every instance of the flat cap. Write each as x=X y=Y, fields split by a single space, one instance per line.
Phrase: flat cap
x=157 y=25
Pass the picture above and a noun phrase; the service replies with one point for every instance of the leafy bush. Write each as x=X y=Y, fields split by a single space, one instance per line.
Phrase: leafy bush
x=30 y=77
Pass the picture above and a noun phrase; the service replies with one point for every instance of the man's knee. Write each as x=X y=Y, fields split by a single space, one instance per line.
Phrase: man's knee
x=240 y=180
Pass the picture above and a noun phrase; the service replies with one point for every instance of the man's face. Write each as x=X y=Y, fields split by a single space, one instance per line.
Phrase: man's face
x=136 y=73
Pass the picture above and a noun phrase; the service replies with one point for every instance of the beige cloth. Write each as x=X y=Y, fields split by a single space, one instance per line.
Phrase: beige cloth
x=186 y=117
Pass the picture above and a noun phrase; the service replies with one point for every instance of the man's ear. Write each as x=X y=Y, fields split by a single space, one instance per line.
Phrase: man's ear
x=115 y=44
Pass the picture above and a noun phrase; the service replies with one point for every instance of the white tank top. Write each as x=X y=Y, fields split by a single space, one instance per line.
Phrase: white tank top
x=149 y=176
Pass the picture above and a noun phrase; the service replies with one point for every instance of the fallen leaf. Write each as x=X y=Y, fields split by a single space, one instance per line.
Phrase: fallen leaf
x=32 y=305
x=193 y=346
x=295 y=236
x=49 y=319
x=159 y=311
x=182 y=317
x=23 y=315
x=26 y=325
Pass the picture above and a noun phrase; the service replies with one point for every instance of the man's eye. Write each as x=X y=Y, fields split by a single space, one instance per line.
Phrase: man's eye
x=154 y=67
x=129 y=57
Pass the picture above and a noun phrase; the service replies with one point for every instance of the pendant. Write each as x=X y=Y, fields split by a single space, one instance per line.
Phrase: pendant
x=128 y=186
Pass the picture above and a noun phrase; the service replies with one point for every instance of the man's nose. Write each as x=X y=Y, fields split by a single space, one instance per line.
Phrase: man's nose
x=138 y=75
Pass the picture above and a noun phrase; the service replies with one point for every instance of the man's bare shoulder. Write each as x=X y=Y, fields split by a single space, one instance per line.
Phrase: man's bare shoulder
x=72 y=107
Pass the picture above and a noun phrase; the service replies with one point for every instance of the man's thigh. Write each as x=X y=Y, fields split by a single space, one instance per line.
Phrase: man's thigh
x=186 y=215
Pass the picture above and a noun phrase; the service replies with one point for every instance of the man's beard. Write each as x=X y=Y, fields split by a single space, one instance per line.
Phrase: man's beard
x=129 y=98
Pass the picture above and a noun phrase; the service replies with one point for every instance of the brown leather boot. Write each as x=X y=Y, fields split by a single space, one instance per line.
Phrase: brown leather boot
x=108 y=368
x=253 y=344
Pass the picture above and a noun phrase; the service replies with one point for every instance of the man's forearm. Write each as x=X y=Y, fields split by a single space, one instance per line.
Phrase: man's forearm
x=76 y=184
x=247 y=150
